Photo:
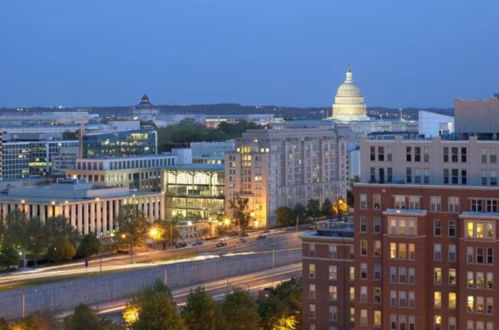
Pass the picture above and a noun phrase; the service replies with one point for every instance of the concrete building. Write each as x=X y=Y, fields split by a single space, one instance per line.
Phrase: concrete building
x=211 y=152
x=328 y=278
x=141 y=141
x=21 y=159
x=145 y=110
x=425 y=257
x=432 y=124
x=477 y=118
x=283 y=167
x=88 y=208
x=194 y=191
x=349 y=102
x=433 y=161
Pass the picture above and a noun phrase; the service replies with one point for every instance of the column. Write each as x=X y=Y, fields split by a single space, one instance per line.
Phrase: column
x=43 y=208
x=111 y=214
x=91 y=205
x=145 y=201
x=73 y=215
x=85 y=217
x=79 y=220
x=105 y=219
x=98 y=219
x=162 y=206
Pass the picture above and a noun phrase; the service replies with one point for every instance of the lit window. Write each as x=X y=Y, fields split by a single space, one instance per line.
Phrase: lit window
x=452 y=300
x=437 y=275
x=437 y=299
x=470 y=303
x=393 y=250
x=377 y=318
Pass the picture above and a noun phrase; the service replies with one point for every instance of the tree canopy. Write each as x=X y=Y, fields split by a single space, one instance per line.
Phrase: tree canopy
x=239 y=311
x=201 y=312
x=84 y=318
x=241 y=215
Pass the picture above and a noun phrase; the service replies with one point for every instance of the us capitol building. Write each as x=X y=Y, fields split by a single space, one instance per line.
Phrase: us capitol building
x=349 y=102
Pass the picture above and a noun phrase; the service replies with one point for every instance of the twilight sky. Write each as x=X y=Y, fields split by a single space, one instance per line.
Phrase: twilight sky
x=283 y=52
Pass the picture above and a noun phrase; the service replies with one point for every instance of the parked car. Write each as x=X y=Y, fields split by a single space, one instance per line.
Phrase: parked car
x=197 y=242
x=180 y=245
x=221 y=244
x=243 y=240
x=261 y=237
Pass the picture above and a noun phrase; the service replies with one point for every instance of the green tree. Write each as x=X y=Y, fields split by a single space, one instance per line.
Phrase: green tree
x=282 y=305
x=4 y=325
x=313 y=208
x=156 y=309
x=239 y=311
x=15 y=235
x=89 y=246
x=285 y=216
x=132 y=227
x=58 y=228
x=43 y=320
x=62 y=249
x=201 y=312
x=241 y=216
x=164 y=231
x=9 y=257
x=37 y=239
x=327 y=208
x=3 y=231
x=84 y=318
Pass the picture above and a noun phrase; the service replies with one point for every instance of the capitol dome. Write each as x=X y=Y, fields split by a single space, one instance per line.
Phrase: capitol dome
x=349 y=102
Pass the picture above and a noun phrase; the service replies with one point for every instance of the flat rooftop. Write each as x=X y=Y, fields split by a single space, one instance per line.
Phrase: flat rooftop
x=201 y=167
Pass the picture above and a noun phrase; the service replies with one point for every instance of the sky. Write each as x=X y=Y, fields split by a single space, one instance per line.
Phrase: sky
x=403 y=53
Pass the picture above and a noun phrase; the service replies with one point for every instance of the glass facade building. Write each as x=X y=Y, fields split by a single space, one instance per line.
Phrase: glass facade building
x=123 y=143
x=35 y=158
x=194 y=191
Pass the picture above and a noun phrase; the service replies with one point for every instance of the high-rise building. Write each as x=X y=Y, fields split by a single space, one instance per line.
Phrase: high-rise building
x=425 y=257
x=135 y=142
x=284 y=167
x=349 y=102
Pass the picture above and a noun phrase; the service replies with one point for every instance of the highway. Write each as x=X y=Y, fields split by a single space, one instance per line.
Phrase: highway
x=254 y=282
x=279 y=239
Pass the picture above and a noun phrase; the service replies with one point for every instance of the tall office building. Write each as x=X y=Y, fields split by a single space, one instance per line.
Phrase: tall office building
x=283 y=167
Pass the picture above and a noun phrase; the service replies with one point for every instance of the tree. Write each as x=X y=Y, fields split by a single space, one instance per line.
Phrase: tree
x=62 y=249
x=84 y=318
x=3 y=324
x=132 y=227
x=282 y=306
x=285 y=216
x=239 y=311
x=327 y=208
x=313 y=208
x=16 y=229
x=156 y=310
x=201 y=312
x=59 y=227
x=37 y=239
x=340 y=207
x=89 y=246
x=163 y=231
x=300 y=212
x=241 y=216
x=37 y=321
x=9 y=257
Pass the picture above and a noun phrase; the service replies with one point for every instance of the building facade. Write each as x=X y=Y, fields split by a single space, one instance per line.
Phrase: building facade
x=136 y=142
x=87 y=208
x=425 y=257
x=477 y=118
x=21 y=159
x=284 y=167
x=194 y=191
x=137 y=172
x=328 y=278
x=435 y=161
x=432 y=124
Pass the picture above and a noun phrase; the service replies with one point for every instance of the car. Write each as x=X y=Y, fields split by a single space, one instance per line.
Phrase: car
x=261 y=237
x=243 y=240
x=221 y=244
x=197 y=242
x=245 y=235
x=180 y=245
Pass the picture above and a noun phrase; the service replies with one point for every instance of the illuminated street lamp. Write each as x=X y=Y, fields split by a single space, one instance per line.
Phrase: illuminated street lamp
x=131 y=315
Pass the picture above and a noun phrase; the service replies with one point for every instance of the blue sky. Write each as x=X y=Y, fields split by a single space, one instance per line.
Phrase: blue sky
x=284 y=52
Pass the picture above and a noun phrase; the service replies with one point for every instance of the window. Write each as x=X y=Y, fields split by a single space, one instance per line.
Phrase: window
x=377 y=224
x=363 y=201
x=437 y=299
x=352 y=314
x=412 y=251
x=451 y=252
x=363 y=247
x=408 y=174
x=311 y=250
x=452 y=278
x=351 y=273
x=363 y=271
x=408 y=154
x=437 y=275
x=333 y=313
x=470 y=255
x=333 y=292
x=377 y=295
x=402 y=274
x=333 y=252
x=437 y=252
x=417 y=154
x=377 y=271
x=452 y=228
x=311 y=291
x=452 y=323
x=393 y=250
x=479 y=280
x=412 y=299
x=437 y=227
x=393 y=298
x=446 y=155
x=452 y=300
x=412 y=275
x=377 y=248
x=490 y=256
x=393 y=274
x=363 y=224
x=446 y=175
x=470 y=279
x=412 y=322
x=393 y=322
x=480 y=258
x=333 y=272
x=435 y=203
x=437 y=322
x=414 y=202
x=311 y=311
x=402 y=251
x=372 y=153
x=490 y=281
x=311 y=271
x=402 y=299
x=363 y=294
x=400 y=202
x=453 y=204
x=351 y=293
x=377 y=201
x=377 y=318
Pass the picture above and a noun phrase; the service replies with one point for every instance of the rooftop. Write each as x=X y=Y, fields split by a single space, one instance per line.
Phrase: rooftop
x=206 y=167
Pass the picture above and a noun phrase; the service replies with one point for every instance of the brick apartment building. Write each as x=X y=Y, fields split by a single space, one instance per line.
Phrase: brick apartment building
x=425 y=257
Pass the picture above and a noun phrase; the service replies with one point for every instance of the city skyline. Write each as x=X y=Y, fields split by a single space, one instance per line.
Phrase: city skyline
x=202 y=52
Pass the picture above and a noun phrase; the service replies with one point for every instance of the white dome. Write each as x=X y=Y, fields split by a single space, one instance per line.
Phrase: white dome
x=349 y=102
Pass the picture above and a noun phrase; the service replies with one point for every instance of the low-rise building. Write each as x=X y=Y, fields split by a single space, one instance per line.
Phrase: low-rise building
x=88 y=208
x=141 y=141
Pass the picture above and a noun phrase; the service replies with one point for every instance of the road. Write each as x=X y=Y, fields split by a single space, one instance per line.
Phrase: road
x=275 y=240
x=254 y=282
